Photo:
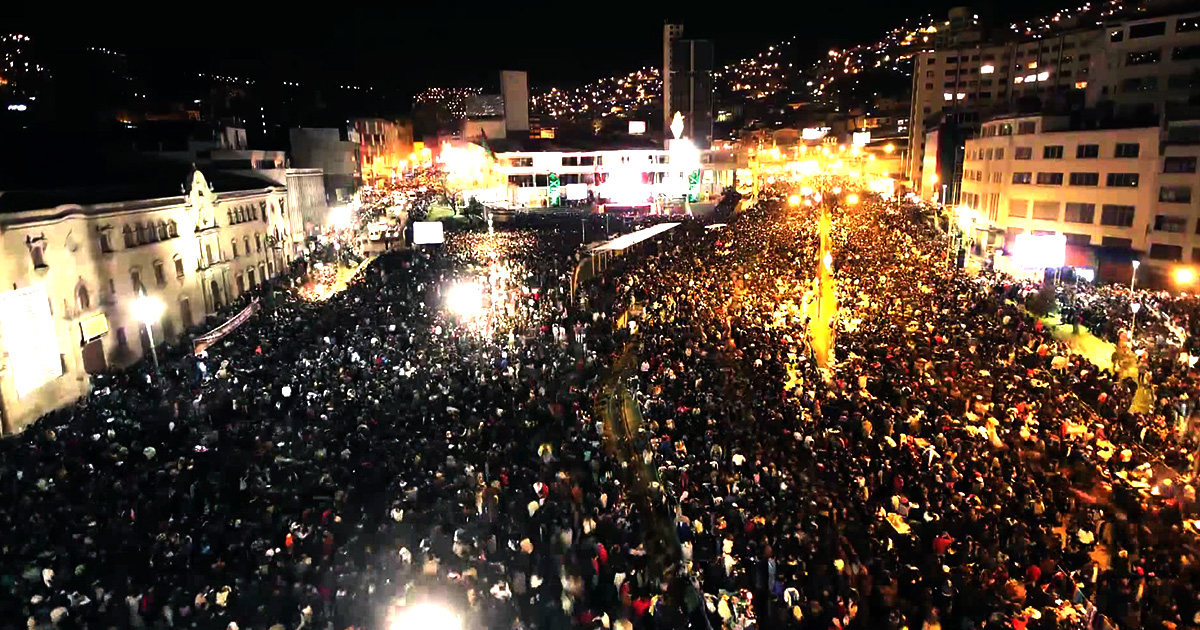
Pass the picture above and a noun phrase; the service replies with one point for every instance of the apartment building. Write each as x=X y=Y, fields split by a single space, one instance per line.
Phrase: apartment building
x=1148 y=67
x=965 y=84
x=1125 y=189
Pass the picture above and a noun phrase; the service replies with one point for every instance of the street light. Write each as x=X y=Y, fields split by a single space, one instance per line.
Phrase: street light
x=149 y=310
x=851 y=199
x=1133 y=277
x=1135 y=307
x=426 y=616
x=794 y=200
x=1184 y=276
x=465 y=300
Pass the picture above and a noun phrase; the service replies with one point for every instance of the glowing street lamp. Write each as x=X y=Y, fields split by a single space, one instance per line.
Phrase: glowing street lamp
x=794 y=200
x=888 y=148
x=1184 y=276
x=426 y=617
x=851 y=199
x=465 y=300
x=149 y=310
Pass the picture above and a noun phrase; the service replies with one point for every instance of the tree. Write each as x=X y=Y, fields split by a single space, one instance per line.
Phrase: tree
x=474 y=210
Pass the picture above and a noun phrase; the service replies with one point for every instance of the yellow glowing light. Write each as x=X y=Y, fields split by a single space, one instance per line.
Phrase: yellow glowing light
x=794 y=200
x=806 y=191
x=1185 y=275
x=889 y=148
x=465 y=300
x=851 y=199
x=837 y=190
x=933 y=178
x=426 y=616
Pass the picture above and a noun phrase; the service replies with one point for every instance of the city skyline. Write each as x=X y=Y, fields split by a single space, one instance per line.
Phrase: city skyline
x=410 y=59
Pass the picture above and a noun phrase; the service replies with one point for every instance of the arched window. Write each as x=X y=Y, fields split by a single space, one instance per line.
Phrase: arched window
x=257 y=242
x=232 y=218
x=83 y=300
x=246 y=240
x=141 y=233
x=233 y=246
x=163 y=234
x=173 y=228
x=38 y=253
x=129 y=238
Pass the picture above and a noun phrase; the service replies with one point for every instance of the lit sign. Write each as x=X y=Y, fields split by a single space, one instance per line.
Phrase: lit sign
x=861 y=138
x=637 y=127
x=30 y=338
x=1040 y=251
x=814 y=133
x=576 y=192
x=554 y=185
x=427 y=232
x=93 y=327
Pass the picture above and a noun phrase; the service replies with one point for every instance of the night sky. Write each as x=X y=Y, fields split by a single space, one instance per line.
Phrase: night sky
x=410 y=45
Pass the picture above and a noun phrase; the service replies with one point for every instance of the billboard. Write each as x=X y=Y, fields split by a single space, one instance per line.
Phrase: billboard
x=29 y=337
x=576 y=192
x=813 y=133
x=861 y=138
x=637 y=127
x=1040 y=251
x=427 y=232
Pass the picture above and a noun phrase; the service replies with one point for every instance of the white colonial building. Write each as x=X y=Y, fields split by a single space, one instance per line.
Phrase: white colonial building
x=195 y=252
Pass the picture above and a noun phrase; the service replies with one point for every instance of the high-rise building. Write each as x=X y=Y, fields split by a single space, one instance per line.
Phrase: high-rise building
x=514 y=87
x=671 y=34
x=688 y=84
x=1142 y=71
x=384 y=146
x=1148 y=67
x=692 y=89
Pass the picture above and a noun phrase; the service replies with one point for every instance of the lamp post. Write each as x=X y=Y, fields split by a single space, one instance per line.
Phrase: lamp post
x=1135 y=307
x=148 y=310
x=1133 y=278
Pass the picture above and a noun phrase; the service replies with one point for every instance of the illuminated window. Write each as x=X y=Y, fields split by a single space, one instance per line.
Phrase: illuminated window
x=1079 y=85
x=987 y=69
x=1033 y=65
x=948 y=96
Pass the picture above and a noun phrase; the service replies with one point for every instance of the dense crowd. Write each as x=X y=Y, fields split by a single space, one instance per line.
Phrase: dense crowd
x=332 y=462
x=960 y=468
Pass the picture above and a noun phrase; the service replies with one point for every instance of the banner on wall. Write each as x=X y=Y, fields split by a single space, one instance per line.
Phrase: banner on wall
x=29 y=337
x=215 y=335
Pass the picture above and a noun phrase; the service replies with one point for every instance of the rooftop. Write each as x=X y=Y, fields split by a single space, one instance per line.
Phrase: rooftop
x=35 y=180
